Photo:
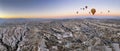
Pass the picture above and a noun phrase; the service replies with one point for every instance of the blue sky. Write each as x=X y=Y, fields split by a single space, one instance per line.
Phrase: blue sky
x=55 y=8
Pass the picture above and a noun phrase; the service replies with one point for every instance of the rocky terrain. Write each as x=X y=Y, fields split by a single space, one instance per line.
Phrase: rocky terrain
x=61 y=35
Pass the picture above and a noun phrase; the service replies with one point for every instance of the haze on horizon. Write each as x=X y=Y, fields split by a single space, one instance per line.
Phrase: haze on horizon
x=56 y=8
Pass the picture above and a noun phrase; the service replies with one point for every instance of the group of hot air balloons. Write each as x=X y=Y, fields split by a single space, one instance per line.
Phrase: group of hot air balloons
x=84 y=8
x=107 y=11
x=93 y=10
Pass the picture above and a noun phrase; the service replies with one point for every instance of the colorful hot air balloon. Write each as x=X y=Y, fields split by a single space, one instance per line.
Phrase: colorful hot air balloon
x=93 y=11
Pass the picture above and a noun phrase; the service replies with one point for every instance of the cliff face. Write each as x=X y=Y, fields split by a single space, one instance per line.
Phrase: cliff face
x=62 y=35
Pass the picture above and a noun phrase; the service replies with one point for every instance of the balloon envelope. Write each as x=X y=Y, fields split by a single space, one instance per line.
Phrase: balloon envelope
x=83 y=8
x=93 y=11
x=86 y=7
x=101 y=12
x=77 y=12
x=89 y=12
x=108 y=11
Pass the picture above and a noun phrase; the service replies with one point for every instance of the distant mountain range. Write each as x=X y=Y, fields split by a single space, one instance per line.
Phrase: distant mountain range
x=2 y=20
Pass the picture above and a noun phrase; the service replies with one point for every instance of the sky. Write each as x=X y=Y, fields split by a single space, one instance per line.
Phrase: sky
x=57 y=8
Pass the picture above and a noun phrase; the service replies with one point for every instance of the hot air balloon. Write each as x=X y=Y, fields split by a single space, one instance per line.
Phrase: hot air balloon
x=101 y=12
x=80 y=8
x=86 y=7
x=89 y=12
x=108 y=11
x=83 y=8
x=93 y=10
x=77 y=12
